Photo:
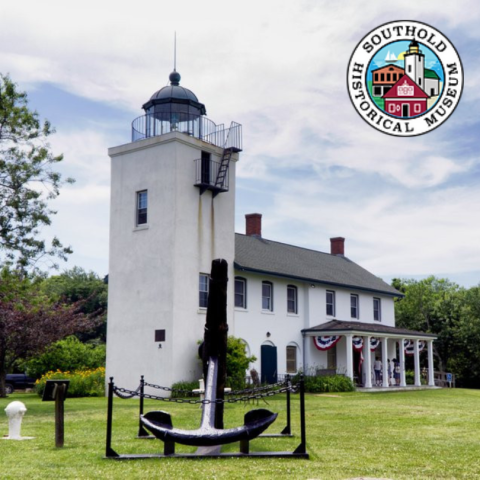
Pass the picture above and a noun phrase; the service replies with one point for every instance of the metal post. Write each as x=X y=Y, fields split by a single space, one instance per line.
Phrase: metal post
x=142 y=433
x=109 y=452
x=302 y=448
x=288 y=429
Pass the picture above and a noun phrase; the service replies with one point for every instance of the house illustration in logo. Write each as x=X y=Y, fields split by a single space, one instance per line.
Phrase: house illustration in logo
x=407 y=91
x=405 y=99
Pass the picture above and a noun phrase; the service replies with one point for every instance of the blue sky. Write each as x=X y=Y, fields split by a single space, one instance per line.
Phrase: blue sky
x=408 y=207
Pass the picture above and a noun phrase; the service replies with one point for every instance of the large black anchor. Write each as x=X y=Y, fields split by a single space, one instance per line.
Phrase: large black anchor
x=211 y=431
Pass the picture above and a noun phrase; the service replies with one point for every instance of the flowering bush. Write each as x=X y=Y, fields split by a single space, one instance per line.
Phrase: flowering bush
x=83 y=383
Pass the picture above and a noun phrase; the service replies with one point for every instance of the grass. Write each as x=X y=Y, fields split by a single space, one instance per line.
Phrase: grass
x=404 y=435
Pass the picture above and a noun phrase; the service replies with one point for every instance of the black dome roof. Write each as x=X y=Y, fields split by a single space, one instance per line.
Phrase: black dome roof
x=174 y=93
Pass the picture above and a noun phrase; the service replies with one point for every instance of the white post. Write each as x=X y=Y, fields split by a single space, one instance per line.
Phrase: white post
x=386 y=380
x=401 y=350
x=431 y=377
x=367 y=362
x=348 y=346
x=416 y=354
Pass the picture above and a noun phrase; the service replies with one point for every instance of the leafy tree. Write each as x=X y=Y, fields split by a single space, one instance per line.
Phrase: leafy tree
x=67 y=355
x=29 y=321
x=27 y=181
x=237 y=361
x=434 y=306
x=465 y=363
x=77 y=285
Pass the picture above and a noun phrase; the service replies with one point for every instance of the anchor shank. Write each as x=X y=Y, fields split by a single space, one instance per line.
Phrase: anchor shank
x=216 y=331
x=208 y=413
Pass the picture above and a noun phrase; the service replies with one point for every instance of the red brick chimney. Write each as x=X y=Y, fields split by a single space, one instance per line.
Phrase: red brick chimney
x=253 y=224
x=337 y=246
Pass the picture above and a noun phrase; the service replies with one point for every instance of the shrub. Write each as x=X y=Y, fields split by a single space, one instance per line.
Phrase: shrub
x=185 y=389
x=67 y=355
x=237 y=363
x=83 y=383
x=328 y=383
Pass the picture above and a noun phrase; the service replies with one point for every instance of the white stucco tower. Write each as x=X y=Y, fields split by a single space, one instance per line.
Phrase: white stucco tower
x=415 y=64
x=172 y=213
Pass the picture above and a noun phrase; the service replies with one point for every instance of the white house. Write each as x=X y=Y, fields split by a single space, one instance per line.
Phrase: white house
x=172 y=213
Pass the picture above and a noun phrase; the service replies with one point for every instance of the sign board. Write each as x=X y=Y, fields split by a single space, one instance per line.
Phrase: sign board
x=51 y=388
x=449 y=377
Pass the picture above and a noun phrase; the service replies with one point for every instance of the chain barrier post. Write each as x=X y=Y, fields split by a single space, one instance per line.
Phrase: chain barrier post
x=109 y=452
x=288 y=429
x=142 y=433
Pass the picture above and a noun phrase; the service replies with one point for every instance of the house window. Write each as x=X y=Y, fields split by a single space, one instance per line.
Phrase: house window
x=291 y=359
x=354 y=306
x=382 y=77
x=267 y=296
x=332 y=357
x=416 y=108
x=376 y=77
x=394 y=75
x=377 y=91
x=142 y=204
x=292 y=299
x=377 y=309
x=203 y=290
x=330 y=303
x=388 y=77
x=391 y=107
x=240 y=292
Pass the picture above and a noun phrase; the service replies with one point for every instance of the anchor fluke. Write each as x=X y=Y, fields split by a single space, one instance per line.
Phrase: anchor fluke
x=256 y=422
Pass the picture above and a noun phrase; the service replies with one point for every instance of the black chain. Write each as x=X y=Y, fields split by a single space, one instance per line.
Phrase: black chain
x=130 y=393
x=125 y=397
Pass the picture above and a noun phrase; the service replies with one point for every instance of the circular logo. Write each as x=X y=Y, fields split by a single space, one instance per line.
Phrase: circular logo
x=405 y=78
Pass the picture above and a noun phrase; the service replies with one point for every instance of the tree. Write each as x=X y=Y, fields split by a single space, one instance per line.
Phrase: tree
x=77 y=285
x=237 y=361
x=28 y=181
x=434 y=306
x=29 y=321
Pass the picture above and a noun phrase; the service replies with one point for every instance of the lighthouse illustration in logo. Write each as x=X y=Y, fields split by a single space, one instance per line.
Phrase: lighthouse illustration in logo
x=405 y=78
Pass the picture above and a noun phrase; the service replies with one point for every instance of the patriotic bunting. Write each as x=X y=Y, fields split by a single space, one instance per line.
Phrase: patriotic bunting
x=409 y=346
x=357 y=343
x=326 y=342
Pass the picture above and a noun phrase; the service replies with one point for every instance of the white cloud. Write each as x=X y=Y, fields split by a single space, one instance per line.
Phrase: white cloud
x=279 y=68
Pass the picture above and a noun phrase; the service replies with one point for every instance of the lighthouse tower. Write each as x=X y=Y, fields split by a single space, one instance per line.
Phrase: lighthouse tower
x=415 y=64
x=172 y=213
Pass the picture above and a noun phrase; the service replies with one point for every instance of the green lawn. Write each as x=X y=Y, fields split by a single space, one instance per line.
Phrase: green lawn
x=403 y=435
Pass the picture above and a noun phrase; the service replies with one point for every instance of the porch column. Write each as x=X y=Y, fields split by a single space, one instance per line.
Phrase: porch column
x=416 y=354
x=431 y=377
x=401 y=352
x=348 y=346
x=367 y=362
x=386 y=382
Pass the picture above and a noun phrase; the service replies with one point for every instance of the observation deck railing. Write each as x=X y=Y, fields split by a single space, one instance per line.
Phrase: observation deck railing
x=198 y=126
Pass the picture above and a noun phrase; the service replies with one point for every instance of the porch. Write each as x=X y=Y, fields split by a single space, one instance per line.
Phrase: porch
x=363 y=339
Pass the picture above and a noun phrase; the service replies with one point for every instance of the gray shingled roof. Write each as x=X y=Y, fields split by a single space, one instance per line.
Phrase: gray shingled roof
x=375 y=328
x=255 y=254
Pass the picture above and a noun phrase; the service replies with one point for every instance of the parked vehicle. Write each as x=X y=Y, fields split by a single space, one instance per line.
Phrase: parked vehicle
x=15 y=381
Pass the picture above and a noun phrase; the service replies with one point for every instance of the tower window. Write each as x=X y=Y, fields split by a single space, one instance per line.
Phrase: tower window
x=142 y=205
x=203 y=290
x=267 y=296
